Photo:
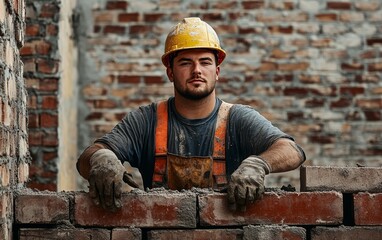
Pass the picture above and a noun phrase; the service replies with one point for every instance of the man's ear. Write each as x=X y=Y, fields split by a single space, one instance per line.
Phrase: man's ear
x=217 y=72
x=170 y=74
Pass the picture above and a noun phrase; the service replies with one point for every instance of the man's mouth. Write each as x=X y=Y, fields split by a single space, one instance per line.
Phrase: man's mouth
x=196 y=80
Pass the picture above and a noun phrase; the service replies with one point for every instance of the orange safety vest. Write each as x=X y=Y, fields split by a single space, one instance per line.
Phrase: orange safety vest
x=161 y=155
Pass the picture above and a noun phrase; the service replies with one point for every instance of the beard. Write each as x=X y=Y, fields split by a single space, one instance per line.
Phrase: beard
x=197 y=93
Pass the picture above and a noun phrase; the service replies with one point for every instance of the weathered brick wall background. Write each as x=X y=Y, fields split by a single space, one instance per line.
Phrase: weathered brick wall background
x=311 y=67
x=14 y=155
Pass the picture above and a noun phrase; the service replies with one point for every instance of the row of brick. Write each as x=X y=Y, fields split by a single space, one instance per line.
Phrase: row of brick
x=330 y=196
x=246 y=233
x=181 y=210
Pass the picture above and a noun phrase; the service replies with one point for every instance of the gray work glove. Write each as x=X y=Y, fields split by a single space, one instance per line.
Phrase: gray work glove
x=105 y=180
x=247 y=182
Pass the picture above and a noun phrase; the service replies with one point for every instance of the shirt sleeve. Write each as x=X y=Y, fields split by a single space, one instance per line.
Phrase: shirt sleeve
x=130 y=139
x=251 y=133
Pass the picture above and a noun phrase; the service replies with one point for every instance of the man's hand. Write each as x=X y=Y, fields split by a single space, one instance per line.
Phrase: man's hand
x=106 y=176
x=247 y=182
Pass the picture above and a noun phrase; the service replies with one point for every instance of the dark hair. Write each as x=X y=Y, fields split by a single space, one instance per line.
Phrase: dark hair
x=173 y=55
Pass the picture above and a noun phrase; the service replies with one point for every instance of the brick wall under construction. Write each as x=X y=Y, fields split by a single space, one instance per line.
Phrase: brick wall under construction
x=311 y=67
x=335 y=203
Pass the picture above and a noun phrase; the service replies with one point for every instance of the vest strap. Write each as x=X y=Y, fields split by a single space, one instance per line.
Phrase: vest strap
x=219 y=163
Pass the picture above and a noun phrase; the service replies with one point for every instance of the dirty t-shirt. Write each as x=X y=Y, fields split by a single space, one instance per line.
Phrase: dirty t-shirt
x=133 y=139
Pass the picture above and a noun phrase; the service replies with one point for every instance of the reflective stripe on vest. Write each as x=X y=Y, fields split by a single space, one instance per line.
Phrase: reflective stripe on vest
x=219 y=163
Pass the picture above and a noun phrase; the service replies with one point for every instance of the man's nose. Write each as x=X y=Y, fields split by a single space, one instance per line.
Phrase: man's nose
x=196 y=69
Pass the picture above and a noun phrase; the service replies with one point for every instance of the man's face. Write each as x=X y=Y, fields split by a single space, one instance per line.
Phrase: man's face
x=194 y=73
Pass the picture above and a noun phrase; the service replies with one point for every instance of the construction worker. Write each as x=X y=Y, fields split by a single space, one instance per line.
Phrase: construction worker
x=193 y=139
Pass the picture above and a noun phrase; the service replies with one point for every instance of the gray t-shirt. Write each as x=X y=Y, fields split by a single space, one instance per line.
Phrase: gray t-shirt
x=133 y=139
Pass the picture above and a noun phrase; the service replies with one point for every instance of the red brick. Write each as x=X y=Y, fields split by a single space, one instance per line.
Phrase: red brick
x=339 y=5
x=140 y=29
x=26 y=50
x=34 y=138
x=51 y=30
x=299 y=66
x=295 y=115
x=64 y=233
x=48 y=120
x=153 y=17
x=341 y=103
x=244 y=30
x=373 y=115
x=374 y=41
x=224 y=5
x=49 y=10
x=274 y=232
x=253 y=4
x=41 y=208
x=104 y=103
x=274 y=208
x=312 y=103
x=293 y=91
x=94 y=116
x=116 y=5
x=48 y=66
x=128 y=17
x=126 y=233
x=153 y=79
x=212 y=16
x=33 y=121
x=129 y=79
x=374 y=103
x=368 y=54
x=114 y=29
x=32 y=30
x=327 y=17
x=280 y=29
x=375 y=67
x=344 y=232
x=267 y=67
x=154 y=209
x=338 y=178
x=353 y=91
x=49 y=102
x=48 y=84
x=210 y=234
x=43 y=47
x=321 y=42
x=368 y=208
x=352 y=66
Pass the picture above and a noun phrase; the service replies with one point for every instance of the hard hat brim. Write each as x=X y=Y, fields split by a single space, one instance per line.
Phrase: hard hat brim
x=221 y=54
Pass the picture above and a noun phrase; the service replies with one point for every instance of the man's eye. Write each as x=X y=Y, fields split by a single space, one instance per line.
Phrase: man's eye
x=206 y=63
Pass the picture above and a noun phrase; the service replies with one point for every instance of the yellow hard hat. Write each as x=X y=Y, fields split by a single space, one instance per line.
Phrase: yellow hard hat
x=192 y=33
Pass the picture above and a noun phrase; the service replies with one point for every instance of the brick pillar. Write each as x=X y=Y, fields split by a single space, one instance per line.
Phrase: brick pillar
x=41 y=72
x=14 y=155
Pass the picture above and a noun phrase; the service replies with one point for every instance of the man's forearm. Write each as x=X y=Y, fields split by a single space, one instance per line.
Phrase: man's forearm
x=283 y=155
